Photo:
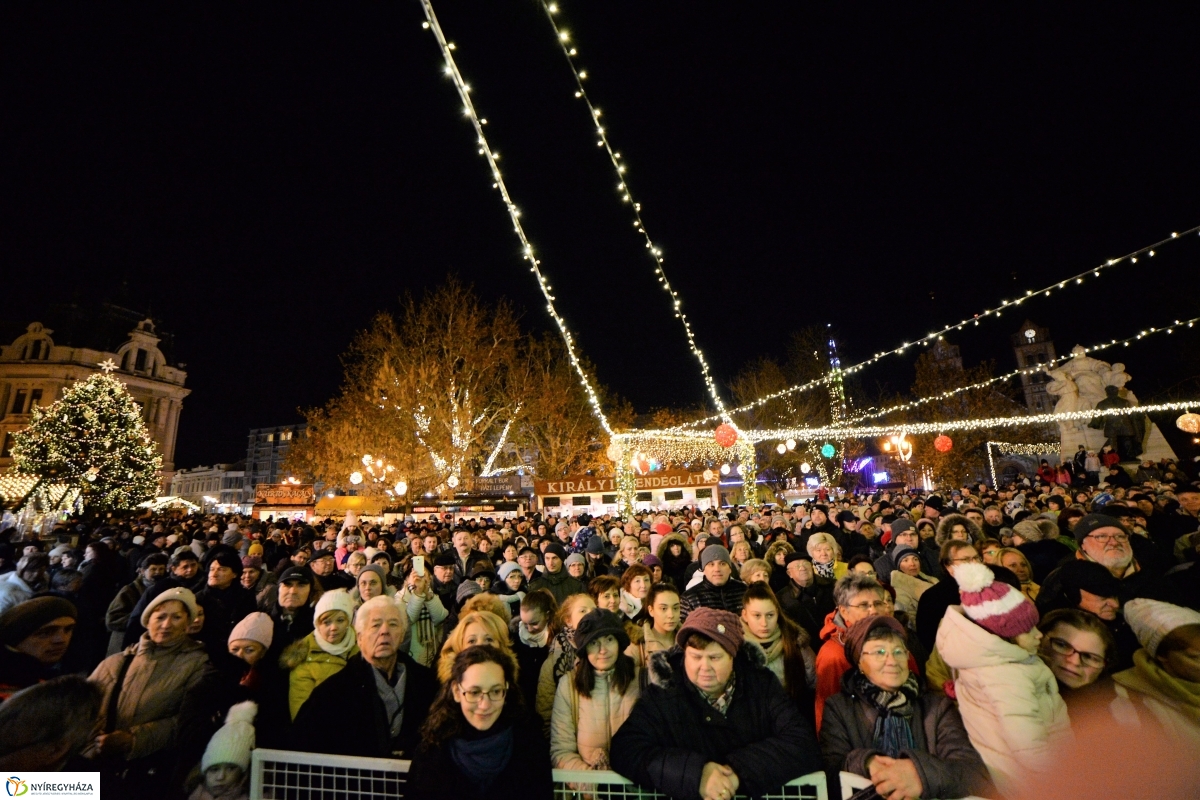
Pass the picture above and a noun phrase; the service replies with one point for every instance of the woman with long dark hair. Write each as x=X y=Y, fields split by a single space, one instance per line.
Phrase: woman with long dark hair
x=478 y=740
x=593 y=702
x=785 y=644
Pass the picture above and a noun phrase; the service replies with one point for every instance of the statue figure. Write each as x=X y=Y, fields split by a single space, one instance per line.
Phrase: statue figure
x=1062 y=384
x=1125 y=432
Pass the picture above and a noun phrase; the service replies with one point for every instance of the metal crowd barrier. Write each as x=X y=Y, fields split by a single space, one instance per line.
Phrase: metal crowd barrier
x=291 y=775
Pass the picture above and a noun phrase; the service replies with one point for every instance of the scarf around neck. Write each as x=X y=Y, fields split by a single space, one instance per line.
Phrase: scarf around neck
x=893 y=731
x=824 y=570
x=482 y=758
x=339 y=649
x=529 y=640
x=1148 y=677
x=772 y=647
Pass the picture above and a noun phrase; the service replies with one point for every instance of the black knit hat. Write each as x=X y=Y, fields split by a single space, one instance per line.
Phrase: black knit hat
x=230 y=560
x=596 y=623
x=1089 y=523
x=19 y=622
x=445 y=559
x=556 y=549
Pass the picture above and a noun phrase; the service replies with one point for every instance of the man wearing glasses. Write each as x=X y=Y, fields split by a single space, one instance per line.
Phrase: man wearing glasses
x=857 y=596
x=1105 y=541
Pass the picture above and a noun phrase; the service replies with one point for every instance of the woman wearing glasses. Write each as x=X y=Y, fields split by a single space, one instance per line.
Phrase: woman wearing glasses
x=1078 y=648
x=478 y=740
x=882 y=727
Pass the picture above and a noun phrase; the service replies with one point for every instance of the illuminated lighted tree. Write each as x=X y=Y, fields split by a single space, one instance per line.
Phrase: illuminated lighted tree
x=92 y=439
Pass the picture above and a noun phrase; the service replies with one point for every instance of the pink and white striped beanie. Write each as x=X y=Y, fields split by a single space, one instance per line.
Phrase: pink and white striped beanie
x=994 y=605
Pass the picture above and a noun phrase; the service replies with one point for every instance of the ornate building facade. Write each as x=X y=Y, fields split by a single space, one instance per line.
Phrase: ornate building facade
x=35 y=369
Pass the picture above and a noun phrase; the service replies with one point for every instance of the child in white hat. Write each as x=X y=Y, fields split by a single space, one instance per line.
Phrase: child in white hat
x=226 y=762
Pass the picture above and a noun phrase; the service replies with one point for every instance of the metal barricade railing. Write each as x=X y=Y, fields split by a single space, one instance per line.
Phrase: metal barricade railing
x=291 y=775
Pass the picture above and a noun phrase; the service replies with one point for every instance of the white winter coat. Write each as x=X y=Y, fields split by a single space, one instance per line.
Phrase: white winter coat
x=13 y=591
x=1008 y=699
x=581 y=728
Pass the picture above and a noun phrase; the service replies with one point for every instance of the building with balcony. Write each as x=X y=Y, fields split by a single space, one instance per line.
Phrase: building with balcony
x=41 y=363
x=265 y=452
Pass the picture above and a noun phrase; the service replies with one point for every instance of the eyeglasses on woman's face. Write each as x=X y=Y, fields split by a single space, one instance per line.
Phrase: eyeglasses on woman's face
x=474 y=695
x=878 y=605
x=1064 y=648
x=881 y=653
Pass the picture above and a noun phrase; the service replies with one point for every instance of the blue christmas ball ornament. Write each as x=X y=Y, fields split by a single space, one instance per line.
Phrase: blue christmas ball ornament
x=828 y=450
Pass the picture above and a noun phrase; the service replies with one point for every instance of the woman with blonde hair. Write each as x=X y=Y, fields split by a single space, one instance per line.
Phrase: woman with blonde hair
x=1015 y=561
x=740 y=553
x=626 y=557
x=755 y=570
x=474 y=627
x=826 y=557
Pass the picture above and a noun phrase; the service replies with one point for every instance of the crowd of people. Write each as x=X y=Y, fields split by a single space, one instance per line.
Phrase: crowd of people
x=938 y=644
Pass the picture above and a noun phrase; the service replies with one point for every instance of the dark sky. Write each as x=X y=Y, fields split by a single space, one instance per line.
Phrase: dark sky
x=265 y=178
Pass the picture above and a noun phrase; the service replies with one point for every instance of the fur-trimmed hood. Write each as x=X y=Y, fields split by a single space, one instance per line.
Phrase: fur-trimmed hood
x=666 y=666
x=947 y=524
x=666 y=542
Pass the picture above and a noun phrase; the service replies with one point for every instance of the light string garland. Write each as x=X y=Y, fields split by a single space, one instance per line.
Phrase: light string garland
x=464 y=90
x=918 y=428
x=1132 y=257
x=1014 y=448
x=570 y=52
x=870 y=414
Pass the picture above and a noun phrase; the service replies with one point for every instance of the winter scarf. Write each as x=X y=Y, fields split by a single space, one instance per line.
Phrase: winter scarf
x=567 y=655
x=630 y=605
x=824 y=570
x=528 y=639
x=1149 y=678
x=349 y=640
x=482 y=758
x=893 y=731
x=772 y=647
x=426 y=635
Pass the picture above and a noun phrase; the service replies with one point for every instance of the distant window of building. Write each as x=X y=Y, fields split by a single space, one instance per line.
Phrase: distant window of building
x=675 y=495
x=6 y=451
x=139 y=363
x=18 y=406
x=1041 y=357
x=35 y=349
x=270 y=437
x=35 y=399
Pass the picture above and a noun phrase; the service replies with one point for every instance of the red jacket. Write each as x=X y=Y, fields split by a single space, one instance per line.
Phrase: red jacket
x=832 y=663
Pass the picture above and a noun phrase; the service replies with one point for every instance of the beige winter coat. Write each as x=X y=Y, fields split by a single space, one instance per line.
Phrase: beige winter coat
x=1009 y=702
x=909 y=591
x=153 y=690
x=581 y=728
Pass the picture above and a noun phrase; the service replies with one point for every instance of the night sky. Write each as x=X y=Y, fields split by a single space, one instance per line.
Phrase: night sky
x=263 y=179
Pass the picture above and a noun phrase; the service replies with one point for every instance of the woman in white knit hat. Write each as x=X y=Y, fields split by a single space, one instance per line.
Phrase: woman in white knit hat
x=323 y=653
x=1165 y=678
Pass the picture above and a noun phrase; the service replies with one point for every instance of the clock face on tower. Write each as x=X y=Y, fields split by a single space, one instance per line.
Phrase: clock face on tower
x=1031 y=334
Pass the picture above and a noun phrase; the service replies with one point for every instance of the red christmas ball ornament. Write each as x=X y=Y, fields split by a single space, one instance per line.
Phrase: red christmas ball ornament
x=725 y=434
x=943 y=443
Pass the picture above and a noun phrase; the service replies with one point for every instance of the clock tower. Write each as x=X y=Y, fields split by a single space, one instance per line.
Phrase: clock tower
x=1035 y=351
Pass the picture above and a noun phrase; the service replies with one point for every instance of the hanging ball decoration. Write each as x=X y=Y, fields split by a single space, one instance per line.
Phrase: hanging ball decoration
x=709 y=476
x=790 y=444
x=724 y=469
x=781 y=448
x=613 y=452
x=401 y=488
x=725 y=434
x=806 y=468
x=356 y=478
x=1189 y=422
x=943 y=443
x=828 y=450
x=452 y=481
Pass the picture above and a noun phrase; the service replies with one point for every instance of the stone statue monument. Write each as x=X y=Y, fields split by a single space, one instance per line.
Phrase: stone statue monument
x=1124 y=432
x=1084 y=383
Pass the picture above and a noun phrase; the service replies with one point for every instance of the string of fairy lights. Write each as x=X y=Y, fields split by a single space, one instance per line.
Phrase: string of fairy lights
x=464 y=92
x=571 y=53
x=683 y=444
x=872 y=413
x=1148 y=251
x=1015 y=448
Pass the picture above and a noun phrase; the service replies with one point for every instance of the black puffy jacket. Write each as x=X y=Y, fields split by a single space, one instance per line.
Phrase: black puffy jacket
x=673 y=731
x=726 y=598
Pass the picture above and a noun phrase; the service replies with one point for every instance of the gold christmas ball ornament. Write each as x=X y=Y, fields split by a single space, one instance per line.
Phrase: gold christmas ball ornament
x=1188 y=422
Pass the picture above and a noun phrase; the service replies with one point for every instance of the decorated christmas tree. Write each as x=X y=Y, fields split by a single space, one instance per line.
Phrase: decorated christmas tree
x=92 y=439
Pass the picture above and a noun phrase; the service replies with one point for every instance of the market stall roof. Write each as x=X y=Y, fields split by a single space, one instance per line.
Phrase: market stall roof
x=372 y=506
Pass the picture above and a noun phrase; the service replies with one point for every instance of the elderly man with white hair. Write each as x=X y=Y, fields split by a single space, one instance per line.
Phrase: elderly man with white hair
x=381 y=694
